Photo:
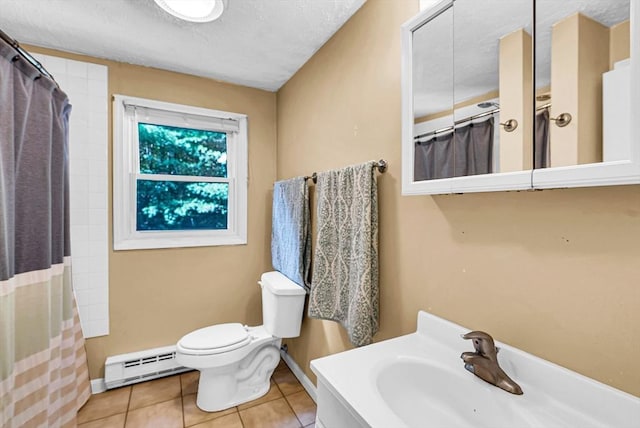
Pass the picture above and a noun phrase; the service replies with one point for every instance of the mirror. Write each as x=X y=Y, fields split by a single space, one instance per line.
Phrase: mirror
x=583 y=82
x=472 y=89
x=493 y=84
x=432 y=75
x=491 y=103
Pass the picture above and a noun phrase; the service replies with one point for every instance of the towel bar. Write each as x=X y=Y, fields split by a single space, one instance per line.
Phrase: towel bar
x=381 y=165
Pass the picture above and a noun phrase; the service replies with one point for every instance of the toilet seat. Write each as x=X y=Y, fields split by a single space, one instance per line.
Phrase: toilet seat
x=215 y=339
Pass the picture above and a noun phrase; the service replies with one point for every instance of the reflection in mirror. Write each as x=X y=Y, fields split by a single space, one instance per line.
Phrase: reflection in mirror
x=433 y=95
x=493 y=85
x=582 y=82
x=473 y=90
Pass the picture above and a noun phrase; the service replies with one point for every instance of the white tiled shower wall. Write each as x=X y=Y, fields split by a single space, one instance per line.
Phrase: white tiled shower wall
x=86 y=85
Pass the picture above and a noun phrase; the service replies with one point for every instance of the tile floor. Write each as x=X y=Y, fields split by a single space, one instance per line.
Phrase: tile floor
x=171 y=402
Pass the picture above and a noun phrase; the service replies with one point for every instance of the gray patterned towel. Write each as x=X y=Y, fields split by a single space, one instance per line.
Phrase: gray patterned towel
x=290 y=230
x=344 y=287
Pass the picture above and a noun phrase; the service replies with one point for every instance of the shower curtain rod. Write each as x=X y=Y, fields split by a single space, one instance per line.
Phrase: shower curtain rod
x=26 y=55
x=381 y=165
x=456 y=123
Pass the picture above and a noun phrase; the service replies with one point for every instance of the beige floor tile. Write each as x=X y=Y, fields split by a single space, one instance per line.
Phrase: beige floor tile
x=287 y=382
x=115 y=421
x=274 y=414
x=167 y=414
x=193 y=415
x=273 y=394
x=303 y=406
x=154 y=391
x=189 y=382
x=105 y=404
x=228 y=421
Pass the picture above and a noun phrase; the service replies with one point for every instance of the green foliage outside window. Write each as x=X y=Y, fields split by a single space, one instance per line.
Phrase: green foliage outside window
x=182 y=151
x=181 y=205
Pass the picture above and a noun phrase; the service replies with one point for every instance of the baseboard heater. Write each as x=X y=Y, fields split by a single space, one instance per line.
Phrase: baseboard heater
x=125 y=369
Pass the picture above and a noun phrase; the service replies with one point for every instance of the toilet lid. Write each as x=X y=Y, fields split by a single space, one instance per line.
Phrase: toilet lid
x=216 y=336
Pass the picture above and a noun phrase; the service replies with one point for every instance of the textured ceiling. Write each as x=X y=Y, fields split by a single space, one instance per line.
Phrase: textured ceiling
x=456 y=55
x=256 y=43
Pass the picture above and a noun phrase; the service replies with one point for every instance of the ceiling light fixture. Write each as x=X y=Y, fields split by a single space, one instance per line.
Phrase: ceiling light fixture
x=194 y=10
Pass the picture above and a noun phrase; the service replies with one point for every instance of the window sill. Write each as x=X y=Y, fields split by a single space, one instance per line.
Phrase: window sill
x=153 y=241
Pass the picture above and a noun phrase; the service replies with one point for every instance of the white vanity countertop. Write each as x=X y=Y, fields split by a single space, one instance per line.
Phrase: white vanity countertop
x=350 y=375
x=553 y=396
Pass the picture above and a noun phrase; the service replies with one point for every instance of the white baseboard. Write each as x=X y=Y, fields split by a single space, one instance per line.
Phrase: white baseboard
x=98 y=386
x=299 y=374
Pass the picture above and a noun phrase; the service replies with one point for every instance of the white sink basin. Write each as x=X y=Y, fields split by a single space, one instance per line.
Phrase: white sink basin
x=419 y=381
x=417 y=391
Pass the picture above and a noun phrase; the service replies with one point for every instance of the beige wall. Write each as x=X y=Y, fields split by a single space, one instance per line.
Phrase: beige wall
x=553 y=272
x=156 y=296
x=619 y=42
x=516 y=101
x=579 y=57
x=582 y=51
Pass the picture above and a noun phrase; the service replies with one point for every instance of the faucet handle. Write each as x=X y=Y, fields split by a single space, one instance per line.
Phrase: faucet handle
x=483 y=343
x=484 y=362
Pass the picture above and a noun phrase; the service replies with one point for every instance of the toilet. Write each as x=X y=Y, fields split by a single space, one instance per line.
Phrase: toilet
x=236 y=361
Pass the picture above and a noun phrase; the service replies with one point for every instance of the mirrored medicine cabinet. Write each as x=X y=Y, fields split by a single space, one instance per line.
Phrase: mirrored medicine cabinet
x=519 y=95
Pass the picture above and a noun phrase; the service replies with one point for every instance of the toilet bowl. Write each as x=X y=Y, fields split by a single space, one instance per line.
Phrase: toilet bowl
x=236 y=361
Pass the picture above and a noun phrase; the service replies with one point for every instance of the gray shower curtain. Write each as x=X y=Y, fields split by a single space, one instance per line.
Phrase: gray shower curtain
x=467 y=150
x=542 y=147
x=43 y=367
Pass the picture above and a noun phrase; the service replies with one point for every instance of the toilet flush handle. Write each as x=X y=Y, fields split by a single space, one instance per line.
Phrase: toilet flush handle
x=260 y=283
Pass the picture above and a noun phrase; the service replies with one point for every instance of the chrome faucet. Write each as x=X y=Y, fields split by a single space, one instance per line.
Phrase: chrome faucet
x=484 y=362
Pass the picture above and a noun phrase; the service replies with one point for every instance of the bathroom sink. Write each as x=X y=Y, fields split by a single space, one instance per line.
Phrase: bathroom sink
x=419 y=380
x=417 y=391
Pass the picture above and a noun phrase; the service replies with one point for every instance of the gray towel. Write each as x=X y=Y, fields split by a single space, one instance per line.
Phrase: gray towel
x=290 y=230
x=344 y=287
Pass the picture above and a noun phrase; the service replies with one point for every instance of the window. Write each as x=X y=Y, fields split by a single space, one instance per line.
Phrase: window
x=179 y=175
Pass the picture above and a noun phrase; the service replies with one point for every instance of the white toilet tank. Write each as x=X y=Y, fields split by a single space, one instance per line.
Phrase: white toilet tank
x=282 y=305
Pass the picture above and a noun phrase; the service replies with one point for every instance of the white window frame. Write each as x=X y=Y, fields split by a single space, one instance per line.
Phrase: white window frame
x=126 y=111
